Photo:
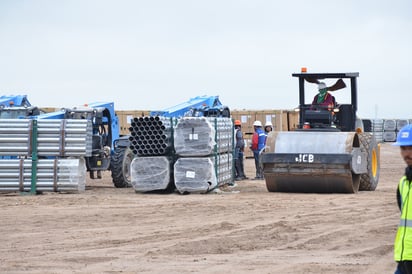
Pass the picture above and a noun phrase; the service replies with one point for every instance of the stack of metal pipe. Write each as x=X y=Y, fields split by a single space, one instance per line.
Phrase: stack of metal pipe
x=204 y=146
x=151 y=135
x=195 y=175
x=56 y=140
x=56 y=137
x=202 y=174
x=58 y=175
x=152 y=173
x=224 y=168
x=202 y=136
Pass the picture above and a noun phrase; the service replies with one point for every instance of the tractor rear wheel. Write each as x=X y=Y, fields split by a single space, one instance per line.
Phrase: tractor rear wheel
x=369 y=180
x=120 y=167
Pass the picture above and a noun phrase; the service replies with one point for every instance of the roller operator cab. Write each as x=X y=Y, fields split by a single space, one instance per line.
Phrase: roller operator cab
x=329 y=151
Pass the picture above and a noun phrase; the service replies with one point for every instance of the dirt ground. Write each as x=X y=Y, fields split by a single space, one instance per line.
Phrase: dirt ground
x=242 y=229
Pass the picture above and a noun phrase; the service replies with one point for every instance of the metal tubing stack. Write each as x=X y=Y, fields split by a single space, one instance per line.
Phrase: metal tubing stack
x=224 y=168
x=195 y=175
x=202 y=174
x=202 y=136
x=58 y=175
x=151 y=136
x=64 y=138
x=151 y=140
x=44 y=155
x=151 y=173
x=203 y=147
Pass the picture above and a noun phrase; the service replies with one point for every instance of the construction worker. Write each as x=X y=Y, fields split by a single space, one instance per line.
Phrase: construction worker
x=268 y=127
x=239 y=152
x=403 y=240
x=257 y=146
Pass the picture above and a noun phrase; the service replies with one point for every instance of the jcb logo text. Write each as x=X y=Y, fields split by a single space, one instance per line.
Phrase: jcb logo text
x=305 y=158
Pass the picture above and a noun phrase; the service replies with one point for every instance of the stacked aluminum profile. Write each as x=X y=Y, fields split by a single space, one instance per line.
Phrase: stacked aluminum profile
x=68 y=139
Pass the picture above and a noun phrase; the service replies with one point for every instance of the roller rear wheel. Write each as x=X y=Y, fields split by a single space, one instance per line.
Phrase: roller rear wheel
x=369 y=180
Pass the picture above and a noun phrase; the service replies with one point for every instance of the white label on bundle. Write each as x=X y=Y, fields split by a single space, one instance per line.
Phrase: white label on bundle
x=193 y=136
x=190 y=174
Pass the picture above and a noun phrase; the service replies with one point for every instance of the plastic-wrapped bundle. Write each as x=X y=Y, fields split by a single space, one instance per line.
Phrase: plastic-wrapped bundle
x=389 y=125
x=201 y=136
x=151 y=173
x=400 y=123
x=195 y=175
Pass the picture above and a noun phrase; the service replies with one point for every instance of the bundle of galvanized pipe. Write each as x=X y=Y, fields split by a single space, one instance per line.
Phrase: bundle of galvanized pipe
x=58 y=175
x=204 y=146
x=207 y=142
x=202 y=136
x=202 y=174
x=151 y=136
x=224 y=168
x=55 y=137
x=195 y=175
x=152 y=173
x=35 y=154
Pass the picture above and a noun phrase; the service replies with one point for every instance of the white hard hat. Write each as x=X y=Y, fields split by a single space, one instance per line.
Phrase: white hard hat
x=268 y=124
x=321 y=85
x=257 y=124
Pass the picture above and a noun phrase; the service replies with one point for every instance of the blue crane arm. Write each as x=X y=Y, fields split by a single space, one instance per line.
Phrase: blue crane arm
x=186 y=108
x=14 y=100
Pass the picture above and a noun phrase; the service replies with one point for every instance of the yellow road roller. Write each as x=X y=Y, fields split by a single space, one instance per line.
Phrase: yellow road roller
x=328 y=152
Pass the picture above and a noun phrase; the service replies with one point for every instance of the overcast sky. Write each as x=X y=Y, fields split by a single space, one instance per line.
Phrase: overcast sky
x=152 y=54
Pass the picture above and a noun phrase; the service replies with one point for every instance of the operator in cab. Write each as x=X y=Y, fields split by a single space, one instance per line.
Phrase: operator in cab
x=323 y=99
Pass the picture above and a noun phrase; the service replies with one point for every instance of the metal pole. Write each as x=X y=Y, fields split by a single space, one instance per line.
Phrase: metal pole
x=33 y=189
